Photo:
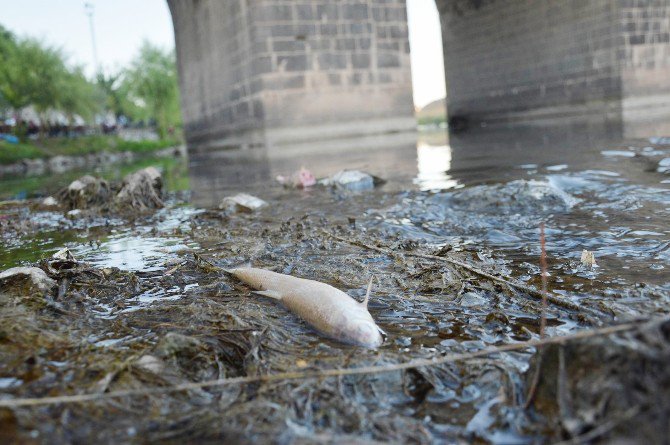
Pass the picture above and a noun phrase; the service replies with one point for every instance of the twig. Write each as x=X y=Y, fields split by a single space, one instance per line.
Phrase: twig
x=449 y=358
x=552 y=298
x=543 y=322
x=543 y=265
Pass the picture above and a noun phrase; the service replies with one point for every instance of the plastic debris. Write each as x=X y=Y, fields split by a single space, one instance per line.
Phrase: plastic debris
x=242 y=202
x=353 y=180
x=300 y=179
x=588 y=258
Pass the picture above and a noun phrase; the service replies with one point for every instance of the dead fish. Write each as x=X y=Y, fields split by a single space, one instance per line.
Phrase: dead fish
x=327 y=309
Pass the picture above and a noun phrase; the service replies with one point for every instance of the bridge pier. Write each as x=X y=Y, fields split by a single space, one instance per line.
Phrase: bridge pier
x=520 y=60
x=268 y=71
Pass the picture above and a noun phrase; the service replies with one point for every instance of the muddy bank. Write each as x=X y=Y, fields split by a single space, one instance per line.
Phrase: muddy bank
x=143 y=308
x=104 y=329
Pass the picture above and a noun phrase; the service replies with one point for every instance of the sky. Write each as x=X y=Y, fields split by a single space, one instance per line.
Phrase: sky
x=122 y=25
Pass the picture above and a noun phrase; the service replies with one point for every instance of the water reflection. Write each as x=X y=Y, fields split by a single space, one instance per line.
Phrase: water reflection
x=427 y=160
x=434 y=165
x=215 y=174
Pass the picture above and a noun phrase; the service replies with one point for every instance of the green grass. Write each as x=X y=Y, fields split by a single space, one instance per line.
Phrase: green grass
x=11 y=153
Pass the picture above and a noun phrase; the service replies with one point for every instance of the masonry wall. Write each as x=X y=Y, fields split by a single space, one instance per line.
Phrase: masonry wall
x=510 y=56
x=526 y=59
x=644 y=57
x=216 y=69
x=249 y=66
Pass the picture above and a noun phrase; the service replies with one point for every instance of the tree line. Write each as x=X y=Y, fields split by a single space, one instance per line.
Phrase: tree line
x=35 y=74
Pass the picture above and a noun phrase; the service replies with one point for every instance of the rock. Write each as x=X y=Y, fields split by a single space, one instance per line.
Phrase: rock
x=85 y=192
x=33 y=166
x=141 y=190
x=28 y=279
x=242 y=202
x=150 y=363
x=60 y=164
x=49 y=201
x=664 y=166
x=353 y=180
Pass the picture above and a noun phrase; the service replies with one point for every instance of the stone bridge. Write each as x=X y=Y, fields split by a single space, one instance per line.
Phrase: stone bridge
x=267 y=71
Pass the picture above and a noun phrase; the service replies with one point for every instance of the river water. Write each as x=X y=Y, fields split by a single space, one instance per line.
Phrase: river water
x=480 y=195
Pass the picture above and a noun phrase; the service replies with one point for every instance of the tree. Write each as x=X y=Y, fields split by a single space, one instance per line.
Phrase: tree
x=78 y=96
x=152 y=84
x=8 y=71
x=37 y=75
x=117 y=90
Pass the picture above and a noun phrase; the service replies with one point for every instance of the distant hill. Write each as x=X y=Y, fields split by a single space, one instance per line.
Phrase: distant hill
x=435 y=111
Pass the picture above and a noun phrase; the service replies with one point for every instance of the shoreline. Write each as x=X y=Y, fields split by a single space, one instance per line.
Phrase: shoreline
x=63 y=163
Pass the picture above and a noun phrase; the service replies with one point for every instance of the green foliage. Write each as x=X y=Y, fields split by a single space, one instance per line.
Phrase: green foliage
x=116 y=89
x=32 y=73
x=152 y=86
x=78 y=96
x=7 y=49
x=38 y=75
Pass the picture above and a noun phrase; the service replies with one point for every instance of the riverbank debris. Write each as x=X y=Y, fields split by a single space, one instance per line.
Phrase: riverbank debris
x=141 y=190
x=26 y=280
x=85 y=193
x=602 y=387
x=242 y=202
x=536 y=294
x=603 y=333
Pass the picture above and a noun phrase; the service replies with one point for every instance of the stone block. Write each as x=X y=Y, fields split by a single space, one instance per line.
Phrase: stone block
x=388 y=60
x=356 y=11
x=360 y=61
x=305 y=12
x=292 y=63
x=330 y=61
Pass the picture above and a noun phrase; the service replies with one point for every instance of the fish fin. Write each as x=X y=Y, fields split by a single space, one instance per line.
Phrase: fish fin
x=367 y=294
x=381 y=331
x=268 y=293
